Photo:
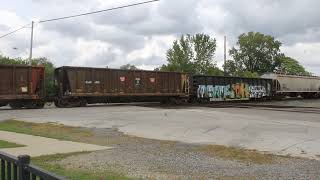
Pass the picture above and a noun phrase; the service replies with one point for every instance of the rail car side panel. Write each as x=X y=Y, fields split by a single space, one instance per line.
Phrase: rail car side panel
x=296 y=84
x=21 y=82
x=218 y=88
x=102 y=82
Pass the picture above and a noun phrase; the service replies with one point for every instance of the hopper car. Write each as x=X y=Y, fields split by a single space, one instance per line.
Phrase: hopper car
x=294 y=86
x=22 y=86
x=78 y=86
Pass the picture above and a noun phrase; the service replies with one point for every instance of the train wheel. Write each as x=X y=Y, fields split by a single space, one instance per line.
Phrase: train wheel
x=3 y=104
x=175 y=101
x=34 y=105
x=70 y=103
x=40 y=105
x=61 y=103
x=16 y=105
x=83 y=103
x=57 y=104
x=164 y=101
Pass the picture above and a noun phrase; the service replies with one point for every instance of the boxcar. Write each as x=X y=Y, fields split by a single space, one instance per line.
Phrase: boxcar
x=291 y=85
x=77 y=86
x=219 y=88
x=22 y=86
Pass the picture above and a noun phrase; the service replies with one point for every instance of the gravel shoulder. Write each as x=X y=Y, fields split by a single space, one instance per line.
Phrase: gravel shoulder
x=143 y=158
x=153 y=159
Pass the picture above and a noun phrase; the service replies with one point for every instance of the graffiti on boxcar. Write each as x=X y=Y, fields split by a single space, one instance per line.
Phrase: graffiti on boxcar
x=214 y=92
x=240 y=91
x=201 y=91
x=257 y=91
x=234 y=91
x=220 y=92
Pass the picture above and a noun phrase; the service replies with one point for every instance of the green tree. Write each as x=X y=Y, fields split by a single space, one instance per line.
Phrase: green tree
x=248 y=74
x=256 y=52
x=128 y=67
x=11 y=61
x=214 y=71
x=180 y=55
x=204 y=48
x=289 y=65
x=192 y=54
x=231 y=68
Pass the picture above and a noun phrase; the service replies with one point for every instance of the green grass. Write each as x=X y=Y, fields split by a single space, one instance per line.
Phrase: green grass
x=6 y=144
x=49 y=163
x=61 y=132
x=50 y=130
x=232 y=153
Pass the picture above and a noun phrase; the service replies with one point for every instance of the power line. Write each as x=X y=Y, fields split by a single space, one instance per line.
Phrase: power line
x=83 y=14
x=95 y=12
x=22 y=27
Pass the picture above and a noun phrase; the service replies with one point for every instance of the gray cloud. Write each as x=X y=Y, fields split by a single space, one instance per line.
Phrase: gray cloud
x=4 y=28
x=164 y=17
x=134 y=29
x=286 y=19
x=71 y=28
x=152 y=60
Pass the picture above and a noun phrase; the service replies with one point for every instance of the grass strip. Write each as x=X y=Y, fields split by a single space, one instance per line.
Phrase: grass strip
x=232 y=153
x=6 y=144
x=49 y=130
x=49 y=163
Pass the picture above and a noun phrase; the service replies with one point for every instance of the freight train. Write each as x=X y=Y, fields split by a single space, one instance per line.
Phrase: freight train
x=23 y=87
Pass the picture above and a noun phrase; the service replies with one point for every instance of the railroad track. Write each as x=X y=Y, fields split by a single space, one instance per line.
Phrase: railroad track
x=270 y=107
x=230 y=104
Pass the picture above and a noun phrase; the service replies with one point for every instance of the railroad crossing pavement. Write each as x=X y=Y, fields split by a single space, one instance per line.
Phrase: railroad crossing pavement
x=279 y=132
x=38 y=146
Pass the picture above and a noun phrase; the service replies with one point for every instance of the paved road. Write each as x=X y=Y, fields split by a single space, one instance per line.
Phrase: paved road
x=279 y=132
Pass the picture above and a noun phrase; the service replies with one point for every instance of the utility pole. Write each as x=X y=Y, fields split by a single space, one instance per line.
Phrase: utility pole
x=31 y=44
x=225 y=55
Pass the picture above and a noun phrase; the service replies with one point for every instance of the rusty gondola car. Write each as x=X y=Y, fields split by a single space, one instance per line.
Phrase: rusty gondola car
x=78 y=86
x=221 y=88
x=22 y=86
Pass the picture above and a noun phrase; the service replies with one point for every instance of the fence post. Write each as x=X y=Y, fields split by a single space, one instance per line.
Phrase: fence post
x=23 y=161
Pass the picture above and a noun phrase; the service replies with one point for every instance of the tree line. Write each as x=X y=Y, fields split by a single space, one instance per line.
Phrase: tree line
x=254 y=54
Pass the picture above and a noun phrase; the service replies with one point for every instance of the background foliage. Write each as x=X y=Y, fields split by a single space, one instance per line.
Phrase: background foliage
x=256 y=54
x=193 y=54
x=128 y=67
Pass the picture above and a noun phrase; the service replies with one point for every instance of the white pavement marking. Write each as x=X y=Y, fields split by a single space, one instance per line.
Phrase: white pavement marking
x=38 y=146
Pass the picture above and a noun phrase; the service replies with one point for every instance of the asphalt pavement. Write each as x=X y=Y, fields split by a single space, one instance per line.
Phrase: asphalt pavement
x=278 y=132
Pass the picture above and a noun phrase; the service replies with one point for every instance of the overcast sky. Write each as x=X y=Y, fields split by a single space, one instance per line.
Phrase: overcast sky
x=141 y=35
